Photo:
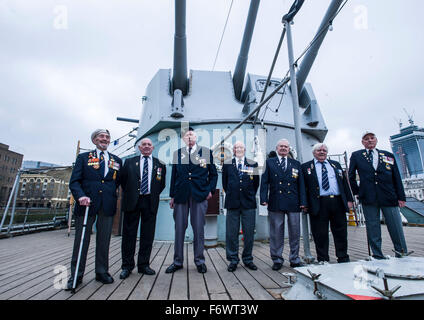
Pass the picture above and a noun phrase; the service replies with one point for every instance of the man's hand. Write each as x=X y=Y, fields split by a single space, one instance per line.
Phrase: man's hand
x=209 y=196
x=401 y=203
x=304 y=208
x=350 y=204
x=171 y=203
x=264 y=204
x=84 y=201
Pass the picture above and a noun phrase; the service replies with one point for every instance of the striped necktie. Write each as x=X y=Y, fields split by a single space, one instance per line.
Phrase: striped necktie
x=239 y=170
x=102 y=163
x=145 y=179
x=283 y=163
x=325 y=182
x=371 y=156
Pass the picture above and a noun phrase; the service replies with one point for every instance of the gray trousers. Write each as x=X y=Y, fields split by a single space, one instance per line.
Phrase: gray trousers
x=197 y=221
x=276 y=235
x=394 y=226
x=247 y=217
x=103 y=234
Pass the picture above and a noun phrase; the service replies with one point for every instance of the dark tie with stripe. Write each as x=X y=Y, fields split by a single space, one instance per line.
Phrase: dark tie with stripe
x=325 y=182
x=239 y=170
x=145 y=179
x=370 y=156
x=283 y=163
x=102 y=163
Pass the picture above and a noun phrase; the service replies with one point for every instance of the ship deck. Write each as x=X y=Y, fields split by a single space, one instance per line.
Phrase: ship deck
x=29 y=266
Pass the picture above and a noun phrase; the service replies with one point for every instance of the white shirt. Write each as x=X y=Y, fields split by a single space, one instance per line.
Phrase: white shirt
x=332 y=179
x=193 y=149
x=106 y=160
x=239 y=161
x=374 y=158
x=149 y=172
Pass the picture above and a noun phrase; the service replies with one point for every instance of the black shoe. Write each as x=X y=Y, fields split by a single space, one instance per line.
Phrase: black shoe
x=104 y=278
x=251 y=266
x=297 y=265
x=232 y=267
x=124 y=274
x=172 y=268
x=201 y=268
x=277 y=266
x=146 y=270
x=70 y=283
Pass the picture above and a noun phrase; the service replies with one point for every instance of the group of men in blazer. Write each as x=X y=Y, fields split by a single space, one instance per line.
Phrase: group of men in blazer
x=287 y=188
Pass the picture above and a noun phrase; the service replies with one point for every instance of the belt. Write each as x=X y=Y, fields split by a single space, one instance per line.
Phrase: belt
x=144 y=195
x=330 y=196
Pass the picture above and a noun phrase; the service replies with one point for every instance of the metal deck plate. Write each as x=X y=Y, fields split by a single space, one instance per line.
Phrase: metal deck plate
x=354 y=280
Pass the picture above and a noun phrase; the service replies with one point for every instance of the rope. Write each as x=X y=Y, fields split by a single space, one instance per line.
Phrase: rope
x=222 y=36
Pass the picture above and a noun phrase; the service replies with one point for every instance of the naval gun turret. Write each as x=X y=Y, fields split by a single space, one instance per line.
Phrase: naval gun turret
x=215 y=102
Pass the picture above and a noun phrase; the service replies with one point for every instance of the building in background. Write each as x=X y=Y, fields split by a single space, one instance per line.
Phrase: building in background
x=414 y=187
x=48 y=188
x=30 y=164
x=10 y=163
x=408 y=149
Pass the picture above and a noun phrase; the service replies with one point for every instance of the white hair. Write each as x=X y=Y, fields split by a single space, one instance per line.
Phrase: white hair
x=318 y=146
x=283 y=140
x=240 y=143
x=139 y=142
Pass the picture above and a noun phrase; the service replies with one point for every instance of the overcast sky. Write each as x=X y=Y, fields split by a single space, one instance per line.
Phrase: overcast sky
x=68 y=67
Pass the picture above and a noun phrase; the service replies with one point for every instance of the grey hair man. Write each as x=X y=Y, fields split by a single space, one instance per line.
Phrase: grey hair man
x=329 y=198
x=283 y=191
x=240 y=183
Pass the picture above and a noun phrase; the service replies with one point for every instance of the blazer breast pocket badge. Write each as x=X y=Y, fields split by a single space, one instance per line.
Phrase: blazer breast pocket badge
x=295 y=173
x=159 y=174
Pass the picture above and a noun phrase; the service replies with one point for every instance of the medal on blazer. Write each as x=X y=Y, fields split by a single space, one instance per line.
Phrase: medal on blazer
x=202 y=162
x=114 y=175
x=113 y=164
x=309 y=171
x=159 y=174
x=295 y=173
x=93 y=161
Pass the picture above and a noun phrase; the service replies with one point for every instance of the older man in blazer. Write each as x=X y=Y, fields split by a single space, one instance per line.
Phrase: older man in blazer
x=143 y=180
x=94 y=182
x=329 y=198
x=380 y=188
x=193 y=181
x=240 y=181
x=283 y=191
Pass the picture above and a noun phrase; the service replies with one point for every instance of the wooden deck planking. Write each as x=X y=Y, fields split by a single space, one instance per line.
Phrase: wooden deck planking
x=33 y=259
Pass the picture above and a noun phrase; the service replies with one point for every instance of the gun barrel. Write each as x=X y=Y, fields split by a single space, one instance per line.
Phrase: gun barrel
x=240 y=70
x=308 y=60
x=179 y=79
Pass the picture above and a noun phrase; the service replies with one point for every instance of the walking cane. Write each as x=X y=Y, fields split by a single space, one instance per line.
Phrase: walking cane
x=355 y=207
x=84 y=225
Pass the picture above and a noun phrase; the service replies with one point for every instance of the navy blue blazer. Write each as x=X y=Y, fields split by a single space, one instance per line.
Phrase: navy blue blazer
x=240 y=193
x=312 y=186
x=286 y=188
x=381 y=187
x=87 y=181
x=195 y=178
x=131 y=182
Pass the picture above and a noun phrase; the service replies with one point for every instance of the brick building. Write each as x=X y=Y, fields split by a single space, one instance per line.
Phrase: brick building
x=10 y=163
x=45 y=188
